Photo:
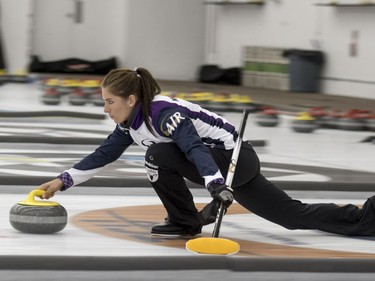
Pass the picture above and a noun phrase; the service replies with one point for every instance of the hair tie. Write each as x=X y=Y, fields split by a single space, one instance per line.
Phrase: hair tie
x=136 y=72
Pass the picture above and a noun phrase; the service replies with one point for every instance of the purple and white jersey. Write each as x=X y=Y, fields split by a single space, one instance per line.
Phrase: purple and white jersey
x=188 y=125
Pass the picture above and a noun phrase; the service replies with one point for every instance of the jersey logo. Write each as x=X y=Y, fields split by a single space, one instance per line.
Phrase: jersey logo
x=152 y=172
x=173 y=122
x=147 y=143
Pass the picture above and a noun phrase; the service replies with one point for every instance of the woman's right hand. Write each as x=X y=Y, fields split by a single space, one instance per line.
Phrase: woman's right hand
x=51 y=187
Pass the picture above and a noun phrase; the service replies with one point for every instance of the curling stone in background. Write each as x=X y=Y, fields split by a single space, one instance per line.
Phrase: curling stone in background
x=304 y=123
x=267 y=117
x=68 y=85
x=352 y=121
x=50 y=94
x=92 y=89
x=241 y=102
x=38 y=217
x=96 y=98
x=77 y=97
x=365 y=116
x=319 y=114
x=201 y=98
x=51 y=97
x=49 y=83
x=370 y=122
x=331 y=119
x=89 y=86
x=220 y=102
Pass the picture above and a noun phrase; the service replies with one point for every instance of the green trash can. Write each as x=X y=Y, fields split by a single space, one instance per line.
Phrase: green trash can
x=304 y=69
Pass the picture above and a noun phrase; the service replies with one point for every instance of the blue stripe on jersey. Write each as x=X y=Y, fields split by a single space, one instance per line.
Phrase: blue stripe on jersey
x=211 y=120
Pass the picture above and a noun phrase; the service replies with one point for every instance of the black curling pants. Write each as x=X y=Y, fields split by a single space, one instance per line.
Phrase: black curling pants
x=167 y=167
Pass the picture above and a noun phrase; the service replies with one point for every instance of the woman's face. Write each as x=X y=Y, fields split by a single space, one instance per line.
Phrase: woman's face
x=118 y=108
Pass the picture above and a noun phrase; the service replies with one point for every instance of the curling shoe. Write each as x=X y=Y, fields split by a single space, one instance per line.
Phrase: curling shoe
x=169 y=229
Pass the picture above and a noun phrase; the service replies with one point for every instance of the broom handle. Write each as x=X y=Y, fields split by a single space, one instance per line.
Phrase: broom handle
x=231 y=170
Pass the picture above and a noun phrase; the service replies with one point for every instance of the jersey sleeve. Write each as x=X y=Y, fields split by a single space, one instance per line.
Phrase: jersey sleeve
x=110 y=150
x=177 y=125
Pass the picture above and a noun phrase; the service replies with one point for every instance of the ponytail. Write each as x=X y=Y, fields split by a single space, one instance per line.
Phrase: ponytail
x=148 y=90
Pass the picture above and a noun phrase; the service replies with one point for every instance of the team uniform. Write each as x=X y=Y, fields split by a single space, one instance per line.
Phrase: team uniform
x=174 y=120
x=189 y=142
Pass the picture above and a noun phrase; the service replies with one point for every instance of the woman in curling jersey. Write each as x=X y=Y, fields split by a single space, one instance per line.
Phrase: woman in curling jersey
x=183 y=140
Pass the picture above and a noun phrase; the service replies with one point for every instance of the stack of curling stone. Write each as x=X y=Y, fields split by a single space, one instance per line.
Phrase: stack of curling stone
x=267 y=117
x=38 y=217
x=304 y=123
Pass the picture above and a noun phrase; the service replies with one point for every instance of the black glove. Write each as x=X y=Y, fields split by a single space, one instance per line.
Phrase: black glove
x=220 y=192
x=209 y=212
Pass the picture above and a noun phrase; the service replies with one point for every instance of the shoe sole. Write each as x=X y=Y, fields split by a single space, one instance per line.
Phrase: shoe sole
x=166 y=235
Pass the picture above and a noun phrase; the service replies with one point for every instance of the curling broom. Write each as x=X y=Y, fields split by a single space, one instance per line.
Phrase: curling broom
x=215 y=245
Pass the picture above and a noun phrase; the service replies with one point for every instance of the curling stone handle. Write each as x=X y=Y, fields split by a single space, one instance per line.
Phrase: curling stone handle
x=30 y=200
x=37 y=192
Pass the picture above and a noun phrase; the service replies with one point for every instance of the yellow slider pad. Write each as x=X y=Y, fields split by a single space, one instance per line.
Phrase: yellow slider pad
x=212 y=245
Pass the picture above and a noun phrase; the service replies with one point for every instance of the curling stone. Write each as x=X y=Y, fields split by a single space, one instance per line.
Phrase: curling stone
x=36 y=216
x=49 y=83
x=304 y=123
x=51 y=97
x=89 y=86
x=352 y=121
x=370 y=122
x=319 y=114
x=78 y=97
x=268 y=117
x=96 y=98
x=331 y=119
x=68 y=85
x=201 y=98
x=220 y=102
x=241 y=102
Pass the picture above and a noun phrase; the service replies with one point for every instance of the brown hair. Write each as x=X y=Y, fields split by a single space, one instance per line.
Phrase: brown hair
x=124 y=82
